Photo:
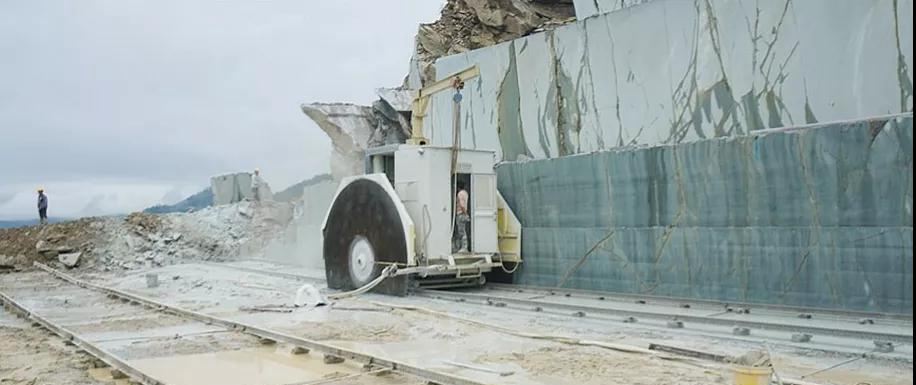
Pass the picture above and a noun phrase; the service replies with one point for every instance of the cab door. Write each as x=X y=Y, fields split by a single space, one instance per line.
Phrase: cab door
x=483 y=214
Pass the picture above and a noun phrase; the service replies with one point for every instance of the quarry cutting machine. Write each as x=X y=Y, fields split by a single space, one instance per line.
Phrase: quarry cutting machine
x=392 y=228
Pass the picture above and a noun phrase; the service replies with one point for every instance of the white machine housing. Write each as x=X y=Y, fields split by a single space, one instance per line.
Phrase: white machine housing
x=422 y=181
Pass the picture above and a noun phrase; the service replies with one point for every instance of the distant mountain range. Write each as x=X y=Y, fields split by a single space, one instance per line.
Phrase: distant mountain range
x=295 y=191
x=195 y=202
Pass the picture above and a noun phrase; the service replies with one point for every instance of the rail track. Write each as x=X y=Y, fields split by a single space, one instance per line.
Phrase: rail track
x=70 y=337
x=678 y=317
x=67 y=306
x=679 y=302
x=775 y=324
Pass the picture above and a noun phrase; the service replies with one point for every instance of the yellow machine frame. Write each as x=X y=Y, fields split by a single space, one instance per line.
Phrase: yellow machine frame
x=421 y=101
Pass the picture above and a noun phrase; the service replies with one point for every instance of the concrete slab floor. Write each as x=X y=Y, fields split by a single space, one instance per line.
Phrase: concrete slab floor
x=171 y=349
x=432 y=341
x=436 y=341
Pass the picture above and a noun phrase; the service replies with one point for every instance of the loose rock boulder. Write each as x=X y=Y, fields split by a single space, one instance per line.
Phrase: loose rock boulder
x=70 y=260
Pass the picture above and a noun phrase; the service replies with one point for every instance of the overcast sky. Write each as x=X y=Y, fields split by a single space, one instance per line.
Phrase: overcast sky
x=117 y=105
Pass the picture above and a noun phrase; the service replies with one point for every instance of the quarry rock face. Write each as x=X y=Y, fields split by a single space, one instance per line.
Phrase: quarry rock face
x=466 y=25
x=825 y=230
x=616 y=79
x=349 y=126
x=643 y=92
x=589 y=8
x=354 y=128
x=231 y=188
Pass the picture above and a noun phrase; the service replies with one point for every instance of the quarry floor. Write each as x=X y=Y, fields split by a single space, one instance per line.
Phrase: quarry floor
x=434 y=334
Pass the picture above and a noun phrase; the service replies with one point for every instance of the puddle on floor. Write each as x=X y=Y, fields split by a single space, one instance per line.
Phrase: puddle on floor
x=103 y=375
x=263 y=366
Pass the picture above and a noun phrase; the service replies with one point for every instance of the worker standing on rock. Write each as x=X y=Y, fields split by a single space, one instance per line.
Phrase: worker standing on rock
x=260 y=190
x=256 y=183
x=42 y=206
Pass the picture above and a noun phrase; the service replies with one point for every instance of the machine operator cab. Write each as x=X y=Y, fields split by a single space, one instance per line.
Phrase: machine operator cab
x=403 y=212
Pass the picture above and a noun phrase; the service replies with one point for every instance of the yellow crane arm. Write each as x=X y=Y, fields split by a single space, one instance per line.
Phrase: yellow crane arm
x=421 y=101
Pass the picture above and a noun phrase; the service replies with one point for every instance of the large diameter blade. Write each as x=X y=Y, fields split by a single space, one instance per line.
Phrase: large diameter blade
x=363 y=221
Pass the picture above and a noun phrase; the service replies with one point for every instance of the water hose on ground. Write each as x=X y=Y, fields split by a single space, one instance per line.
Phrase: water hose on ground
x=387 y=272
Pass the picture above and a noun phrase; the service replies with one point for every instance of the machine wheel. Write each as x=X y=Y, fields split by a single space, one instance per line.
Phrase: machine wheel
x=362 y=261
x=362 y=230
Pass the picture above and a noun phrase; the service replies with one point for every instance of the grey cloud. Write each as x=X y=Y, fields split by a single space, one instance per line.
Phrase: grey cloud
x=95 y=206
x=173 y=196
x=172 y=92
x=6 y=196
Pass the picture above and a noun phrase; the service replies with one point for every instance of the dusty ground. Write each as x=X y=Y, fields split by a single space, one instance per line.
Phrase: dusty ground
x=435 y=340
x=425 y=339
x=789 y=361
x=412 y=335
x=587 y=366
x=194 y=344
x=169 y=348
x=128 y=323
x=34 y=356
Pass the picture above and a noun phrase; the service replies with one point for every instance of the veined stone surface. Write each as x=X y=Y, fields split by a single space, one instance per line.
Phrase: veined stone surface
x=819 y=216
x=670 y=71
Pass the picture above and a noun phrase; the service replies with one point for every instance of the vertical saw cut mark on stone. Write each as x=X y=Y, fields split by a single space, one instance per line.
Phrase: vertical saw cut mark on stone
x=903 y=73
x=512 y=141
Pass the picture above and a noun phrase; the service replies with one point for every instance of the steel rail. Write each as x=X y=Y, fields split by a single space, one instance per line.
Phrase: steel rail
x=611 y=296
x=582 y=310
x=394 y=365
x=569 y=309
x=68 y=336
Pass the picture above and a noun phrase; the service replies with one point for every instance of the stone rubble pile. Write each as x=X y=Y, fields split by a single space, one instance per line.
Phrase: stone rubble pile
x=217 y=232
x=145 y=240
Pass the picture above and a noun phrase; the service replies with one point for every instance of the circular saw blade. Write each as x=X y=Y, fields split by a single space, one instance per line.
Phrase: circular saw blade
x=363 y=226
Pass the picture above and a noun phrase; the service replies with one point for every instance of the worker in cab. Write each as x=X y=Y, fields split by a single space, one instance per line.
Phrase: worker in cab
x=42 y=206
x=462 y=219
